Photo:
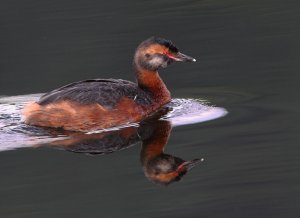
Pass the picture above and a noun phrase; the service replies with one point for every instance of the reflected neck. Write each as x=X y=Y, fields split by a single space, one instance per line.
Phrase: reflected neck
x=155 y=144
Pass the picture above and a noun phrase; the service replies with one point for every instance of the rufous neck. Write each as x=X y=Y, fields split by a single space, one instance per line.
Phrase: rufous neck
x=151 y=81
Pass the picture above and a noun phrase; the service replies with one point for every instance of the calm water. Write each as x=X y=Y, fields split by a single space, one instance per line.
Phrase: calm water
x=247 y=62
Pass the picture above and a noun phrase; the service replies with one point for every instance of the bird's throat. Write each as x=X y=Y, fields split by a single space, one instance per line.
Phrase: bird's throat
x=150 y=81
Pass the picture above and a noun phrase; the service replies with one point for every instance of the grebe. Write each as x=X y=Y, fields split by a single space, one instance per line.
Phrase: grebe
x=103 y=103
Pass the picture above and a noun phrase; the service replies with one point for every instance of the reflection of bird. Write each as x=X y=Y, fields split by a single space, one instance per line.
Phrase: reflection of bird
x=103 y=103
x=158 y=167
x=99 y=143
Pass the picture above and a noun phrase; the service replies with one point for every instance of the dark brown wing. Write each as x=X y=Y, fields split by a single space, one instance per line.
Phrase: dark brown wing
x=106 y=92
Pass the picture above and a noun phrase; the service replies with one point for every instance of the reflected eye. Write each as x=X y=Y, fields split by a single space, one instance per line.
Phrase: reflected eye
x=147 y=55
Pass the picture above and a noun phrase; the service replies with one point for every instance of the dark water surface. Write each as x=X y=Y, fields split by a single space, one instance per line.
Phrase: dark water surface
x=247 y=62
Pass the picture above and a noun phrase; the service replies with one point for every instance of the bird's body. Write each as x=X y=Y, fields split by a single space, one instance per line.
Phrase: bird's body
x=103 y=103
x=106 y=92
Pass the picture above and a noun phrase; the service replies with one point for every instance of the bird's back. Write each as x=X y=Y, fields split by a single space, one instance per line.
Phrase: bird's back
x=105 y=92
x=91 y=104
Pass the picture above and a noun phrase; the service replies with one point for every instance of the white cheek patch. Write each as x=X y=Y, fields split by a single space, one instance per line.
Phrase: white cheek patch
x=156 y=61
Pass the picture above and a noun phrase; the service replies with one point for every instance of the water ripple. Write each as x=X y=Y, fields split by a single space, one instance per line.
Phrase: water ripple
x=15 y=134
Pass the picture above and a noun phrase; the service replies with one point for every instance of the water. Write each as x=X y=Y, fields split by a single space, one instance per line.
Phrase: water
x=247 y=63
x=14 y=133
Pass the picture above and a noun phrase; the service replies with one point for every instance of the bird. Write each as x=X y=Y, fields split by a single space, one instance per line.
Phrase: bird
x=95 y=104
